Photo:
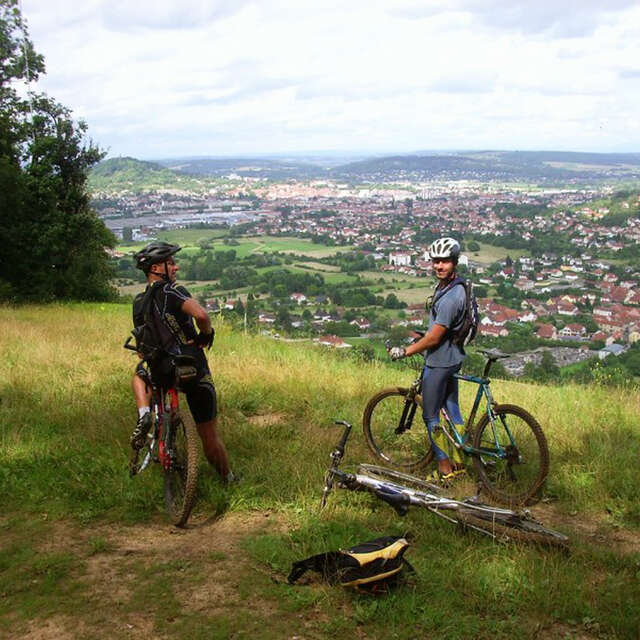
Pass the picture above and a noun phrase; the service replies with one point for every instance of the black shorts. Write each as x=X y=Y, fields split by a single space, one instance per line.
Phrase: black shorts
x=200 y=394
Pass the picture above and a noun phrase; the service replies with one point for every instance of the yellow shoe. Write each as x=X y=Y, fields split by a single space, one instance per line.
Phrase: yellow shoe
x=459 y=471
x=442 y=479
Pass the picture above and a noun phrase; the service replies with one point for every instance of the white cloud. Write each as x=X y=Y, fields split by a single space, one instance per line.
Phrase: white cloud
x=168 y=78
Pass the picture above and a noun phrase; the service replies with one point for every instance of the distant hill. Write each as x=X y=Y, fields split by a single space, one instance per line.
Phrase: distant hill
x=543 y=167
x=496 y=165
x=129 y=174
x=267 y=168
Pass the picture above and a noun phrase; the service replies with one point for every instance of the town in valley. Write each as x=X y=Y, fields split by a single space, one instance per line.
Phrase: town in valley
x=344 y=262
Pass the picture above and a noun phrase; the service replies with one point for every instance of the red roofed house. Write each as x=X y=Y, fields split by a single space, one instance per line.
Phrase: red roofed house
x=492 y=330
x=573 y=331
x=332 y=341
x=547 y=332
x=567 y=308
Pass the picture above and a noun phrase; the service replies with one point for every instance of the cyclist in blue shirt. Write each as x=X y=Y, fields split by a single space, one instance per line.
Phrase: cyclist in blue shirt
x=443 y=355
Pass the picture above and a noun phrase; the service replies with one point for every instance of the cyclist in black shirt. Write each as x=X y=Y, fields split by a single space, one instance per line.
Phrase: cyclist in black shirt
x=177 y=310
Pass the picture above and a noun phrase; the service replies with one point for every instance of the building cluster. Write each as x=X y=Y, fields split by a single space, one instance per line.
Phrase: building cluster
x=394 y=225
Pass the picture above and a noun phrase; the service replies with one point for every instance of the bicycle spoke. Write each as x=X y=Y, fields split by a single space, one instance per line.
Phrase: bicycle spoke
x=395 y=431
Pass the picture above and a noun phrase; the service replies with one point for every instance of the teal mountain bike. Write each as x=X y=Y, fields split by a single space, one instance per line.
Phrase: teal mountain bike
x=507 y=445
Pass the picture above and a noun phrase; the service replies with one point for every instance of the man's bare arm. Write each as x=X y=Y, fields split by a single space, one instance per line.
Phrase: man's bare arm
x=431 y=339
x=198 y=313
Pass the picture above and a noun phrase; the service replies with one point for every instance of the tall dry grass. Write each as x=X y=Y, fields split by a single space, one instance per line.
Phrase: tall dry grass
x=66 y=413
x=65 y=379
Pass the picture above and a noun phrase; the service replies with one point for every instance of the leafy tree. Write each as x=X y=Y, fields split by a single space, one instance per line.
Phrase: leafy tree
x=546 y=371
x=238 y=307
x=392 y=302
x=283 y=319
x=53 y=244
x=362 y=353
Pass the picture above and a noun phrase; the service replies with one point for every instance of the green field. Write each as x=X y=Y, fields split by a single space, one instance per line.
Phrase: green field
x=245 y=245
x=489 y=253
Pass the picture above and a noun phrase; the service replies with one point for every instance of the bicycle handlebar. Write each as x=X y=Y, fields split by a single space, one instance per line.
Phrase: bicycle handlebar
x=126 y=345
x=343 y=440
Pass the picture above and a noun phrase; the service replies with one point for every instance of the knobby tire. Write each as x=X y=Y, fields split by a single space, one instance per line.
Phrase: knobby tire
x=409 y=450
x=180 y=482
x=517 y=481
x=503 y=527
x=512 y=528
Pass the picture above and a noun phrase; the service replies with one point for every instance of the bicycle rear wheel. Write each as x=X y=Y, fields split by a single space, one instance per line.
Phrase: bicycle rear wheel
x=517 y=477
x=513 y=527
x=393 y=429
x=180 y=480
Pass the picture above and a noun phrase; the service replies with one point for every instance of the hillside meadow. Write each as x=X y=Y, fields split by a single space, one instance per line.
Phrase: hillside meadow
x=87 y=552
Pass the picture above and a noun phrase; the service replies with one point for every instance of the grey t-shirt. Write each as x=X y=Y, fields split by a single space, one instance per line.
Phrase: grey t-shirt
x=447 y=311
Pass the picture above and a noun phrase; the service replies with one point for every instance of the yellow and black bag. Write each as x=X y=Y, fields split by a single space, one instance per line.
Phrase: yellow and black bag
x=372 y=565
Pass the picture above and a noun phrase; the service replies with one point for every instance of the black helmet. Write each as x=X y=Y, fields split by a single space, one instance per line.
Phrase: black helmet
x=154 y=253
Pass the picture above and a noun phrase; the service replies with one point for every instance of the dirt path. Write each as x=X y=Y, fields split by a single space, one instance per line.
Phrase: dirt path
x=155 y=581
x=200 y=571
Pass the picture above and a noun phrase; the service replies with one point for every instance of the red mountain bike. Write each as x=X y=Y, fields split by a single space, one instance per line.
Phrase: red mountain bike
x=172 y=440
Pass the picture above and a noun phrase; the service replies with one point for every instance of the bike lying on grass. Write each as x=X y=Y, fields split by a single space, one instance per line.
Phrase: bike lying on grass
x=509 y=449
x=172 y=440
x=401 y=490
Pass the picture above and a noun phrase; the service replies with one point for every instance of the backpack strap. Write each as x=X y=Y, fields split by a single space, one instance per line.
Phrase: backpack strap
x=325 y=563
x=439 y=293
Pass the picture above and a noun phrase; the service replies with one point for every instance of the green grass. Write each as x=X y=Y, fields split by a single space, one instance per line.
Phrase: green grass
x=88 y=550
x=489 y=253
x=191 y=238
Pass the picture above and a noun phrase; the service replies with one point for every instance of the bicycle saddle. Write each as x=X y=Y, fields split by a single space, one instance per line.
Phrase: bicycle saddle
x=494 y=354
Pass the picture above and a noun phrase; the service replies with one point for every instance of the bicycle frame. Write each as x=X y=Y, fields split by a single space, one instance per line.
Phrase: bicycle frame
x=449 y=428
x=165 y=405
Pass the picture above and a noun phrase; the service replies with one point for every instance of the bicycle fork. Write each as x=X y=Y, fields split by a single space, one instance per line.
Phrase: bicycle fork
x=408 y=412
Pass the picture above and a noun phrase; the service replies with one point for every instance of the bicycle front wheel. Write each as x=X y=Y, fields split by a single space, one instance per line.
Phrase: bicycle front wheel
x=394 y=431
x=180 y=480
x=513 y=462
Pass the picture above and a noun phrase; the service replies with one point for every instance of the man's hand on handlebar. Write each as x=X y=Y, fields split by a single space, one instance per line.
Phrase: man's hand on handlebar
x=205 y=340
x=397 y=353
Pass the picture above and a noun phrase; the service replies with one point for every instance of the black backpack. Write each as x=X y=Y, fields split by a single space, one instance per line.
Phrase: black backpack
x=372 y=565
x=154 y=339
x=467 y=331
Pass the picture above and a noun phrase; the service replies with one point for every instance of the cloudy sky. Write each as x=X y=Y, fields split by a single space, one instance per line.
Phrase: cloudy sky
x=168 y=78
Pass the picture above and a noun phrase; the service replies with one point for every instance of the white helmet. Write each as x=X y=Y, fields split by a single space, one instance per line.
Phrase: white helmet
x=447 y=248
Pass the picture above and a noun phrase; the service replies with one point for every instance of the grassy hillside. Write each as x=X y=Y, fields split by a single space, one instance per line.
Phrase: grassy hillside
x=128 y=174
x=74 y=523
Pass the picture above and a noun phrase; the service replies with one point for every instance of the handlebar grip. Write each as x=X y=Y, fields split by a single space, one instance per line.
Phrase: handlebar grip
x=345 y=435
